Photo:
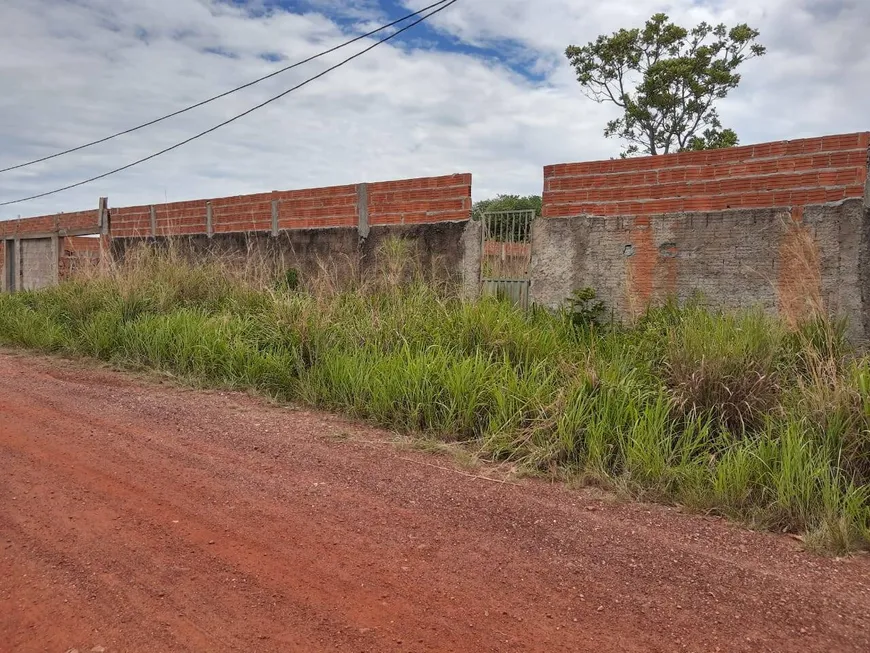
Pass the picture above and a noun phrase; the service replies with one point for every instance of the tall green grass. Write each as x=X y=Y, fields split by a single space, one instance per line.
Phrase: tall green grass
x=735 y=413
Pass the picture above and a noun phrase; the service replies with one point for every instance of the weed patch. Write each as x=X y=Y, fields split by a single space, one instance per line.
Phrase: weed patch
x=733 y=413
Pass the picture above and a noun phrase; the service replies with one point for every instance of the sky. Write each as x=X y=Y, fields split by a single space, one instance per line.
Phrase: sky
x=484 y=87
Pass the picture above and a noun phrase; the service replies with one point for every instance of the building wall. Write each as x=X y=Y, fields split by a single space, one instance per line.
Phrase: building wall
x=334 y=231
x=776 y=225
x=42 y=243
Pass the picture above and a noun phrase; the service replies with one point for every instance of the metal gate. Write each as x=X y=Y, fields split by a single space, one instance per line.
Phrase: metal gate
x=506 y=255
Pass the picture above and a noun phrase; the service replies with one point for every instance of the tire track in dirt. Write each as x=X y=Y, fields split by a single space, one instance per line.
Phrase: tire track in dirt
x=142 y=517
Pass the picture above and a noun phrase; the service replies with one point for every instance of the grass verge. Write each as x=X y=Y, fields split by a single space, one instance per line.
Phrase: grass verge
x=737 y=414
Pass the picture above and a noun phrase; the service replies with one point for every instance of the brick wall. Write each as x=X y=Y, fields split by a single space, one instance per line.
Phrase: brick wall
x=77 y=253
x=41 y=260
x=410 y=201
x=782 y=174
x=83 y=220
x=777 y=224
x=420 y=201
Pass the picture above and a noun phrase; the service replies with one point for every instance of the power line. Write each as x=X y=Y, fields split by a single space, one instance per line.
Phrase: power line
x=236 y=117
x=222 y=95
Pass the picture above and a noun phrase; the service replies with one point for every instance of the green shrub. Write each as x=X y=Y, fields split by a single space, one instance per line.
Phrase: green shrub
x=290 y=281
x=726 y=366
x=584 y=309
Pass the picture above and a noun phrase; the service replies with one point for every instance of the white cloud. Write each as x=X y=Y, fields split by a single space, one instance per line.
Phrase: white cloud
x=76 y=70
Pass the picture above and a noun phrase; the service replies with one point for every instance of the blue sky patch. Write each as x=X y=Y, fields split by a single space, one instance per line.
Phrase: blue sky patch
x=272 y=57
x=221 y=52
x=355 y=15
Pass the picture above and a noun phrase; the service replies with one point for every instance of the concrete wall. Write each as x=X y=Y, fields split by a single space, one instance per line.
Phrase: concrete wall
x=336 y=229
x=777 y=224
x=733 y=258
x=7 y=256
x=34 y=263
x=340 y=253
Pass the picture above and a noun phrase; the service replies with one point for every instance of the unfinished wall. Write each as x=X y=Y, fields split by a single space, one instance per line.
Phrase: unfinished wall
x=72 y=223
x=6 y=274
x=735 y=258
x=40 y=258
x=788 y=173
x=409 y=201
x=764 y=224
x=338 y=253
x=335 y=230
x=78 y=253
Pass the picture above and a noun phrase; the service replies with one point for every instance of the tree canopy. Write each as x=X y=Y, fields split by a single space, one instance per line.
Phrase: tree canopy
x=508 y=203
x=666 y=79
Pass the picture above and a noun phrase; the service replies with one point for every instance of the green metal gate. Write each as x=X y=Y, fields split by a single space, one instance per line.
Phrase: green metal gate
x=506 y=255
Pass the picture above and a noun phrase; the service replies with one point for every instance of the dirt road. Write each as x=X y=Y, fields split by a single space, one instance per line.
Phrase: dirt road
x=136 y=516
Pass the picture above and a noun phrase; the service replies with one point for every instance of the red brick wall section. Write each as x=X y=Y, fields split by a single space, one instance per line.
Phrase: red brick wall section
x=297 y=209
x=315 y=208
x=410 y=201
x=173 y=219
x=78 y=252
x=81 y=246
x=418 y=201
x=50 y=223
x=782 y=174
x=131 y=220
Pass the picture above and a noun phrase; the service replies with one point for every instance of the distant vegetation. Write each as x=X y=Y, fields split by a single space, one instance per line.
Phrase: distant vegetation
x=735 y=414
x=508 y=203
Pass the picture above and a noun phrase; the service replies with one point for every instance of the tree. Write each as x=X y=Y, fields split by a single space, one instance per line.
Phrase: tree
x=508 y=203
x=666 y=79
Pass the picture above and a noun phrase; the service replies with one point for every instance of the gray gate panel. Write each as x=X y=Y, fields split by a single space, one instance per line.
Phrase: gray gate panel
x=38 y=258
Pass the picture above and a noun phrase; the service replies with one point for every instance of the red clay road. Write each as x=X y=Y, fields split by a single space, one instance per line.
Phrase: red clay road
x=137 y=516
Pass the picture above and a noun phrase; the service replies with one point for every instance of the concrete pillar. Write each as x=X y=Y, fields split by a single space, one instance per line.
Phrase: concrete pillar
x=362 y=210
x=274 y=218
x=471 y=245
x=553 y=260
